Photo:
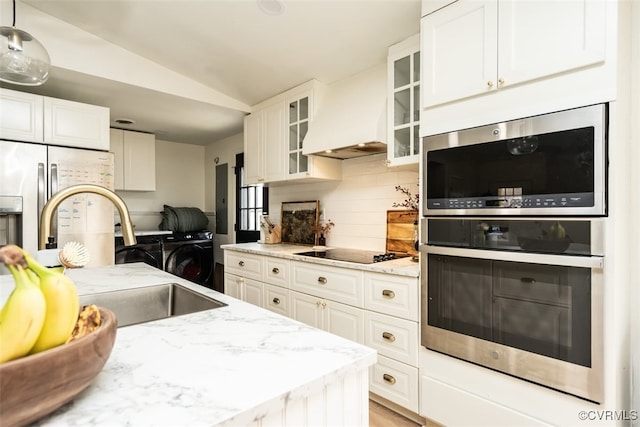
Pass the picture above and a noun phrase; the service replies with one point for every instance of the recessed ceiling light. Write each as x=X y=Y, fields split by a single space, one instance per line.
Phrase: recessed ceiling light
x=271 y=7
x=124 y=121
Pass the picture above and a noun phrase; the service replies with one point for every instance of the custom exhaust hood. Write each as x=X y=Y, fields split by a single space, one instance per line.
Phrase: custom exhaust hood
x=351 y=117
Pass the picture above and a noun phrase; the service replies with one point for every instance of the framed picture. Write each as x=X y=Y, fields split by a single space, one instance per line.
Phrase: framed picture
x=299 y=222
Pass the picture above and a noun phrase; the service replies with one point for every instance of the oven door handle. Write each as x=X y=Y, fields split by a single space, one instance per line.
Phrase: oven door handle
x=535 y=258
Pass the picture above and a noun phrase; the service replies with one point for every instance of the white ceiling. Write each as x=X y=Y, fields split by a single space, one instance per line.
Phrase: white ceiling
x=229 y=45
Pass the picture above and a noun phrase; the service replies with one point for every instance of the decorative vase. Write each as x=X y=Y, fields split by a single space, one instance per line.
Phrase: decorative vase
x=322 y=241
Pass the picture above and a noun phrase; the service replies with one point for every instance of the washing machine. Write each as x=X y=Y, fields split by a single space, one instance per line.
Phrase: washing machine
x=190 y=256
x=148 y=249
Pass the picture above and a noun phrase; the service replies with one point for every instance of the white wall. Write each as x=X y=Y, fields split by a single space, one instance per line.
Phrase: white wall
x=357 y=204
x=225 y=151
x=180 y=182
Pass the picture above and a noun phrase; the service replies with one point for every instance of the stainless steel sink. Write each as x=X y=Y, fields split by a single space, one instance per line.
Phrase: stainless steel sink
x=139 y=305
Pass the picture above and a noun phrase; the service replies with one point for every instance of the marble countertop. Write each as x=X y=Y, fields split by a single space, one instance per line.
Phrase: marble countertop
x=227 y=366
x=402 y=266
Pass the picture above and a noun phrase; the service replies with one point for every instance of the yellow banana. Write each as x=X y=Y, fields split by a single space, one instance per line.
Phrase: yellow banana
x=21 y=318
x=62 y=302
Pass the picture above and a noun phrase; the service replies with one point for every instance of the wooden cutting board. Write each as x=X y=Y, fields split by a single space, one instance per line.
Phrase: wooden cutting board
x=400 y=231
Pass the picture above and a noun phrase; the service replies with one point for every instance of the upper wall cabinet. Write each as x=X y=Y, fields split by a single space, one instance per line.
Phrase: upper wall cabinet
x=274 y=136
x=549 y=54
x=21 y=116
x=403 y=102
x=34 y=118
x=135 y=160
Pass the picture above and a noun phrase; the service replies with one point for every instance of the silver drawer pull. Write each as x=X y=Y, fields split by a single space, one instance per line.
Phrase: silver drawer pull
x=276 y=301
x=241 y=263
x=528 y=280
x=388 y=293
x=322 y=280
x=389 y=378
x=275 y=270
x=388 y=336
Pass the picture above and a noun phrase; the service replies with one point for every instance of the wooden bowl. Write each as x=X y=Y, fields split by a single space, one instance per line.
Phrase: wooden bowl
x=36 y=385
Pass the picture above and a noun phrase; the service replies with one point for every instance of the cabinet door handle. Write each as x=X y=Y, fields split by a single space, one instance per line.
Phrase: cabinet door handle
x=528 y=280
x=275 y=270
x=318 y=303
x=276 y=301
x=388 y=336
x=489 y=84
x=389 y=378
x=324 y=305
x=241 y=263
x=388 y=293
x=322 y=280
x=501 y=81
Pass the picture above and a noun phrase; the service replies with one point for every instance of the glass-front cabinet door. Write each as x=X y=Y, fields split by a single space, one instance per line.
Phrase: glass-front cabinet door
x=298 y=123
x=404 y=102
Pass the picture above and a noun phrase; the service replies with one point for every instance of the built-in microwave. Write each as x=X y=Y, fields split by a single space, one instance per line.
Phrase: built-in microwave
x=553 y=165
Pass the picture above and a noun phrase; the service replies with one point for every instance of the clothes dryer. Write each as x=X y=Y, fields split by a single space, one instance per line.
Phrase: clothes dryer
x=190 y=256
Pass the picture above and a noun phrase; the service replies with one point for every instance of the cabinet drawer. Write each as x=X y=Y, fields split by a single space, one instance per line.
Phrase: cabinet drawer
x=276 y=299
x=276 y=271
x=396 y=382
x=243 y=264
x=393 y=295
x=336 y=284
x=392 y=337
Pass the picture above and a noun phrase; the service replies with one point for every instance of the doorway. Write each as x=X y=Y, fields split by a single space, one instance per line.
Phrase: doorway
x=252 y=201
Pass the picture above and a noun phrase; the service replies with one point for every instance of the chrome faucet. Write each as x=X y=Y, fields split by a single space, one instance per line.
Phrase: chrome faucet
x=55 y=200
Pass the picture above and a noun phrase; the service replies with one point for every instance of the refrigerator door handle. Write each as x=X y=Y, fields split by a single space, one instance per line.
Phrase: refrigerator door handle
x=54 y=179
x=42 y=188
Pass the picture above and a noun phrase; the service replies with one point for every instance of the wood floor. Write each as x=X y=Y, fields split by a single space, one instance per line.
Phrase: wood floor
x=379 y=416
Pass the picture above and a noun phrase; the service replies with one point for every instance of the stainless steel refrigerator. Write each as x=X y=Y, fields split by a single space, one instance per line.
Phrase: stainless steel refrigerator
x=31 y=173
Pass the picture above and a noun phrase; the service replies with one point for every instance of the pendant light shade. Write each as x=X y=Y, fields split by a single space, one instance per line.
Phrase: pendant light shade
x=23 y=60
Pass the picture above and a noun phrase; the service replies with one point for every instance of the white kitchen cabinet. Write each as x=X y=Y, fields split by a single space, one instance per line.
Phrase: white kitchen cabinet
x=21 y=116
x=274 y=138
x=135 y=160
x=74 y=124
x=244 y=289
x=473 y=48
x=377 y=309
x=403 y=102
x=264 y=146
x=34 y=118
x=339 y=319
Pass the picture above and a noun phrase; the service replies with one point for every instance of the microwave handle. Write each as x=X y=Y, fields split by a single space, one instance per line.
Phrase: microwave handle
x=528 y=257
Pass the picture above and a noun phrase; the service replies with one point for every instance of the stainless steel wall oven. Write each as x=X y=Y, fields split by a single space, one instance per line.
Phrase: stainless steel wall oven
x=512 y=260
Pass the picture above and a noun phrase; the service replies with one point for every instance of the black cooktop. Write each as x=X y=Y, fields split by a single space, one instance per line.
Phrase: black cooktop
x=353 y=255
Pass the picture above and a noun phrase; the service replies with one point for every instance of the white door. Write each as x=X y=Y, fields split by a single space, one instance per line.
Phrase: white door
x=306 y=309
x=252 y=292
x=274 y=143
x=459 y=52
x=344 y=320
x=540 y=39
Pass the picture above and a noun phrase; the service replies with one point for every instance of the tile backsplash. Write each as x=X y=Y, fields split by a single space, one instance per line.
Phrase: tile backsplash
x=357 y=204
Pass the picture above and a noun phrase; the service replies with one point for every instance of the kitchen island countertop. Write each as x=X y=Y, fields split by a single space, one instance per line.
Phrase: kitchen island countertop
x=233 y=365
x=401 y=266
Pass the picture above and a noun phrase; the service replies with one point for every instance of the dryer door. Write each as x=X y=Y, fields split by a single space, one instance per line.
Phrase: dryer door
x=191 y=261
x=139 y=254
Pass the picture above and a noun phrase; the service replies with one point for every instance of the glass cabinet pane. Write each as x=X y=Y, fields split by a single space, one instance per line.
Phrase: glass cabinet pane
x=402 y=72
x=416 y=103
x=402 y=107
x=293 y=112
x=304 y=109
x=402 y=142
x=304 y=126
x=293 y=162
x=293 y=137
x=416 y=139
x=304 y=163
x=416 y=67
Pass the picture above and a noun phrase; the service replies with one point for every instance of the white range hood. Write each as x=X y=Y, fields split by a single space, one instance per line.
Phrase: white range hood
x=351 y=120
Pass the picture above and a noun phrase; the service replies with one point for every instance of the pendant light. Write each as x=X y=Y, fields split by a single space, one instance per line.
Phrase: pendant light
x=23 y=60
